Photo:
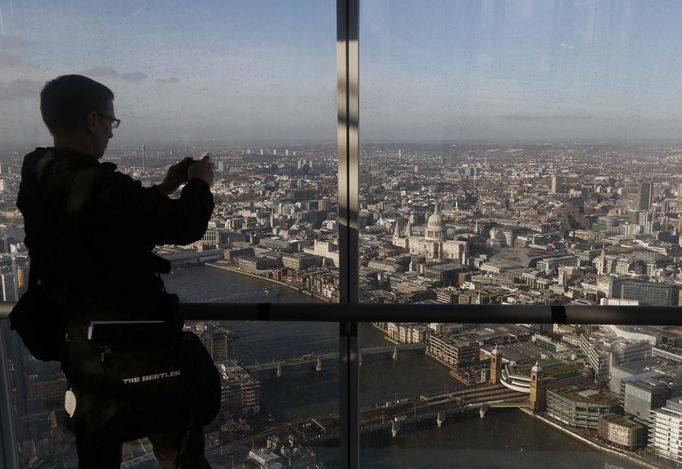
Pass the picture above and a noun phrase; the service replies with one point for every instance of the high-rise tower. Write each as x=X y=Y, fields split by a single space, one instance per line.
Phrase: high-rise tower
x=646 y=194
x=557 y=185
x=602 y=268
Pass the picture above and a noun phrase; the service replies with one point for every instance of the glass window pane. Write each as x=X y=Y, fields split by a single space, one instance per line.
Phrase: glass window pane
x=280 y=392
x=520 y=152
x=278 y=379
x=253 y=85
x=519 y=395
x=516 y=153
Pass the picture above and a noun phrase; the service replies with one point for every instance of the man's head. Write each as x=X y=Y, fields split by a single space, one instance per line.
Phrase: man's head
x=78 y=109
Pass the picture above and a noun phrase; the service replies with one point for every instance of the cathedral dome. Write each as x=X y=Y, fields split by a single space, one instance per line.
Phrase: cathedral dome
x=434 y=227
x=435 y=222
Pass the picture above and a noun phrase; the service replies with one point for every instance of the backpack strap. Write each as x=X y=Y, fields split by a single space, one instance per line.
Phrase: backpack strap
x=76 y=186
x=42 y=168
x=81 y=188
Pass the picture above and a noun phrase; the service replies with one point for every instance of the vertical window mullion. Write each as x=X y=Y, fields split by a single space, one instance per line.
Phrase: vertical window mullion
x=348 y=147
x=8 y=441
x=348 y=196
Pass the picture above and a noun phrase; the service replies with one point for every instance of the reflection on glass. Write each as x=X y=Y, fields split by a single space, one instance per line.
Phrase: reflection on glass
x=520 y=152
x=520 y=393
x=253 y=84
x=279 y=402
x=280 y=393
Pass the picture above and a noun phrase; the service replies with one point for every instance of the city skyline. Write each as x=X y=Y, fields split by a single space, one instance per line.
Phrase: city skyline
x=446 y=71
x=530 y=226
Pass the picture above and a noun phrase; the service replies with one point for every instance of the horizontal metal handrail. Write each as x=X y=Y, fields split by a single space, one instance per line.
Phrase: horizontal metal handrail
x=330 y=312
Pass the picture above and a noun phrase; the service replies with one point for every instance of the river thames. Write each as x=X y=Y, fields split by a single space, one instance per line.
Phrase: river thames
x=504 y=438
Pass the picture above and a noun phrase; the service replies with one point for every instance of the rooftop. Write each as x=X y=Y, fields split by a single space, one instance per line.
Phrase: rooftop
x=589 y=395
x=622 y=420
x=554 y=368
x=636 y=367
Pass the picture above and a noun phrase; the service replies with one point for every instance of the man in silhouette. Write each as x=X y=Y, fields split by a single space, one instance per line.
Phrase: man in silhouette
x=91 y=231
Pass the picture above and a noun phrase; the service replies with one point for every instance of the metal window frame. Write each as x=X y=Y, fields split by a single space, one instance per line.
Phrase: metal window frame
x=348 y=110
x=8 y=441
x=448 y=313
x=350 y=316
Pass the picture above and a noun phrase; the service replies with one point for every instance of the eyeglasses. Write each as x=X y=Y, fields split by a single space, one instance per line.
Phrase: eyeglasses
x=114 y=122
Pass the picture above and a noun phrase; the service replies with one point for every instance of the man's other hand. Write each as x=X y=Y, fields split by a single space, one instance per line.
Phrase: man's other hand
x=176 y=176
x=202 y=170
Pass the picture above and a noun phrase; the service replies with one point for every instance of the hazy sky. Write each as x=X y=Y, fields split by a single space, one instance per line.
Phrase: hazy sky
x=430 y=70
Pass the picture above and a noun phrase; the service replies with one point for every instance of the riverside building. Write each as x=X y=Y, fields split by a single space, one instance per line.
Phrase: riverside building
x=241 y=392
x=665 y=433
x=622 y=431
x=580 y=407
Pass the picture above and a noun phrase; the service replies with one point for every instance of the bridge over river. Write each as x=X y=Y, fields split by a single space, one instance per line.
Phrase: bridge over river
x=391 y=416
x=317 y=359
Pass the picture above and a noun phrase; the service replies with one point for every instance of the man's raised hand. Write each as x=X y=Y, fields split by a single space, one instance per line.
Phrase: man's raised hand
x=202 y=169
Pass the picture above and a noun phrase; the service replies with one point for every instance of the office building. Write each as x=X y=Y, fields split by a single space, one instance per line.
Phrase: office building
x=580 y=407
x=622 y=431
x=646 y=193
x=665 y=433
x=557 y=185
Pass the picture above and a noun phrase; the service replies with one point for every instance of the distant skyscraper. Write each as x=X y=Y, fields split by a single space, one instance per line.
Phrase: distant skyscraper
x=602 y=266
x=646 y=193
x=470 y=171
x=557 y=185
x=7 y=287
x=144 y=157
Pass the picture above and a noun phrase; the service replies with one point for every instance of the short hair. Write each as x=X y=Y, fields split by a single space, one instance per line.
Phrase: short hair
x=66 y=101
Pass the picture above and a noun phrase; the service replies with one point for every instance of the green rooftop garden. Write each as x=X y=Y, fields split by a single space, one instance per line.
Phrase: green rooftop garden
x=602 y=397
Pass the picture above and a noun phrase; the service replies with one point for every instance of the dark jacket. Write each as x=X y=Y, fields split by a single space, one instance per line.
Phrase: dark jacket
x=90 y=229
